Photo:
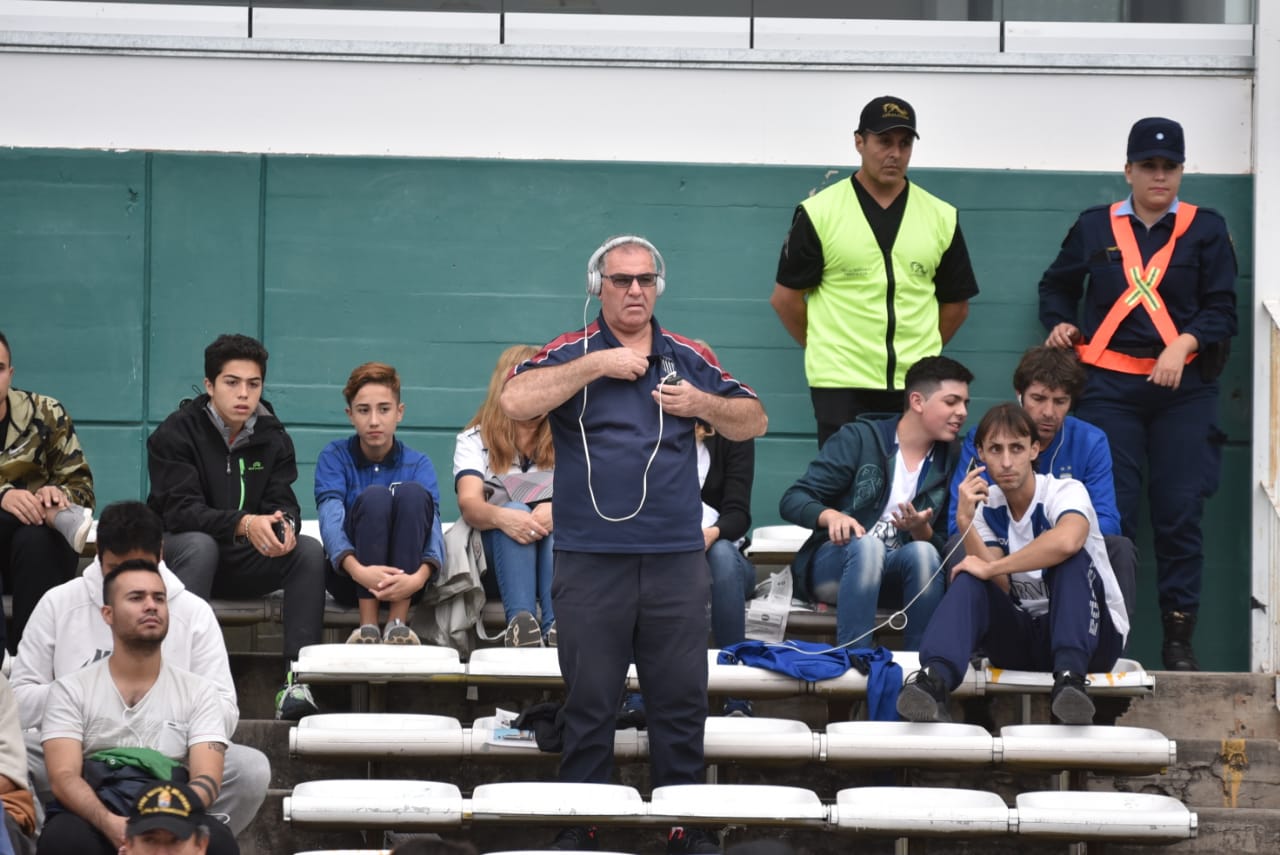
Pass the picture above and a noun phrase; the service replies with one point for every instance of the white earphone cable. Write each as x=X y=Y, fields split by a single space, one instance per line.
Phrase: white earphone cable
x=586 y=451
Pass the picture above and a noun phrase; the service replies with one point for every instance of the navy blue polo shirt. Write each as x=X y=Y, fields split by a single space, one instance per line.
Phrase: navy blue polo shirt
x=620 y=421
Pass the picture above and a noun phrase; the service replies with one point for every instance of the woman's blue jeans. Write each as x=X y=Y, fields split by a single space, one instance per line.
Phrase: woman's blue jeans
x=733 y=579
x=850 y=576
x=523 y=572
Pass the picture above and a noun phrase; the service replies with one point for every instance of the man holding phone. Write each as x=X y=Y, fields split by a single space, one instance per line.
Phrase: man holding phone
x=222 y=470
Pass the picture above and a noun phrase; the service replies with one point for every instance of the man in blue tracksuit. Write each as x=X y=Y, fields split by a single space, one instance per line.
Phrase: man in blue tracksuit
x=631 y=577
x=1048 y=381
x=1035 y=591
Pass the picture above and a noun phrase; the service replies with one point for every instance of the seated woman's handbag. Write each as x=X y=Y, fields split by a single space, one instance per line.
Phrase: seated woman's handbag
x=529 y=488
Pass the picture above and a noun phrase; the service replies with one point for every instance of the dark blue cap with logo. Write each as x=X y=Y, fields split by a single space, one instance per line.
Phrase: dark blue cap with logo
x=1156 y=137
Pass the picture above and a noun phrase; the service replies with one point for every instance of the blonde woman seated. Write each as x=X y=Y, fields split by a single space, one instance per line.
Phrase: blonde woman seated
x=502 y=475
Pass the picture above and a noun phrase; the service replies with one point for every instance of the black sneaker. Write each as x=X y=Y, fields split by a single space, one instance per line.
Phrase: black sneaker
x=631 y=712
x=576 y=837
x=683 y=841
x=924 y=698
x=1069 y=701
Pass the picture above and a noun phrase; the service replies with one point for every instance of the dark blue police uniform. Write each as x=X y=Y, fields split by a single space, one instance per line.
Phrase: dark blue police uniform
x=1172 y=432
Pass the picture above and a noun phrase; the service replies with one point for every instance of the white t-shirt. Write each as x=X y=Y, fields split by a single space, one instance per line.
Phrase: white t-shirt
x=1053 y=498
x=470 y=456
x=902 y=490
x=180 y=710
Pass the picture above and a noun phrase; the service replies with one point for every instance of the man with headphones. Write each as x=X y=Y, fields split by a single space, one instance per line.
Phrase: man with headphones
x=873 y=276
x=622 y=395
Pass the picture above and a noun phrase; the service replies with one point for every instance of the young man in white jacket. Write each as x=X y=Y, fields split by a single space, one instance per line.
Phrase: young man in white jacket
x=66 y=633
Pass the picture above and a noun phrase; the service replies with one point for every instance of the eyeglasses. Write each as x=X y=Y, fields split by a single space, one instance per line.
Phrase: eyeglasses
x=624 y=280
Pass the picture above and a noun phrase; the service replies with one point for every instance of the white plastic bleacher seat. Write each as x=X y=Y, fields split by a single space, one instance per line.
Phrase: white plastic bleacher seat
x=777 y=541
x=383 y=735
x=628 y=744
x=744 y=680
x=1128 y=677
x=525 y=666
x=377 y=663
x=759 y=739
x=377 y=735
x=1056 y=746
x=739 y=804
x=917 y=811
x=1133 y=817
x=404 y=805
x=557 y=803
x=908 y=743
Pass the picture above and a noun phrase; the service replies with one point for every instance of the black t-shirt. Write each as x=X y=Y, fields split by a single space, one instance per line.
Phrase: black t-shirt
x=800 y=263
x=4 y=427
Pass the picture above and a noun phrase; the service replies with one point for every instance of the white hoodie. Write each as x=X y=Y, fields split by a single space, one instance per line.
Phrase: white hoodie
x=66 y=632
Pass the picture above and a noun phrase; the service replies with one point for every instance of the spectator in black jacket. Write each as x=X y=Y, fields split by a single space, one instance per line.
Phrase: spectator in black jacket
x=222 y=471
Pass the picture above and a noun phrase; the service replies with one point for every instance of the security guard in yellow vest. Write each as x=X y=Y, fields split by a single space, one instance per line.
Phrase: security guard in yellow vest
x=874 y=275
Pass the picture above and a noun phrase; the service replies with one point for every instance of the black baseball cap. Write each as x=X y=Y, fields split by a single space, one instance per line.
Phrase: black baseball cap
x=886 y=113
x=170 y=807
x=1156 y=137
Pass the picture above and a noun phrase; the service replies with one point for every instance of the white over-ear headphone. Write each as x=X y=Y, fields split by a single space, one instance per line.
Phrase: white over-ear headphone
x=595 y=264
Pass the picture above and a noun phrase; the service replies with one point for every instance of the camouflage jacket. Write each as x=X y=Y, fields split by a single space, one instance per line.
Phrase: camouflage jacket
x=41 y=447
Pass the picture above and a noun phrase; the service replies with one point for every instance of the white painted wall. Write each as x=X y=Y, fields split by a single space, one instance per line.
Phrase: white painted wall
x=666 y=111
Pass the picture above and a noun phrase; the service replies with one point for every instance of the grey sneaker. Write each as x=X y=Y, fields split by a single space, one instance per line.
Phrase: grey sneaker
x=398 y=633
x=522 y=631
x=366 y=634
x=73 y=522
x=553 y=637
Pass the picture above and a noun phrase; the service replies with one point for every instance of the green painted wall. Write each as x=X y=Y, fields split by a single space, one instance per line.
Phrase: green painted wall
x=116 y=268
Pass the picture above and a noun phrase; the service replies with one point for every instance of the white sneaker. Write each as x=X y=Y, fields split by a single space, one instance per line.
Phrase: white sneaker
x=366 y=634
x=398 y=633
x=73 y=522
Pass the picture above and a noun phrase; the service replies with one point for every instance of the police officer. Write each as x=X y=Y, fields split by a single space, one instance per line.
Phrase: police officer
x=1157 y=276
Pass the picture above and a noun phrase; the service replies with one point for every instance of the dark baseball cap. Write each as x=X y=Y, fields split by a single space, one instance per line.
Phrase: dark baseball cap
x=1156 y=137
x=170 y=807
x=886 y=113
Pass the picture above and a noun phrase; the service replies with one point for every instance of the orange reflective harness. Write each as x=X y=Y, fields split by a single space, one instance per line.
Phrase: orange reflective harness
x=1144 y=283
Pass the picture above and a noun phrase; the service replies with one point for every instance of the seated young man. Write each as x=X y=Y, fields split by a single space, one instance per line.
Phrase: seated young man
x=1048 y=381
x=222 y=471
x=67 y=633
x=872 y=497
x=131 y=705
x=1035 y=591
x=46 y=497
x=379 y=506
